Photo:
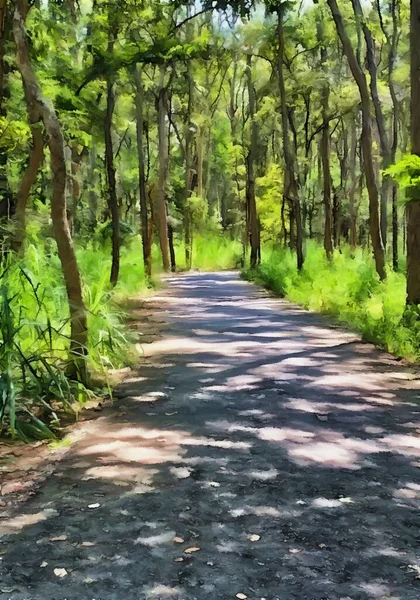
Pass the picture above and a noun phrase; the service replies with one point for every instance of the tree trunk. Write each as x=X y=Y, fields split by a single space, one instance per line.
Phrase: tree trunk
x=78 y=320
x=112 y=185
x=7 y=204
x=163 y=162
x=380 y=118
x=371 y=183
x=396 y=25
x=290 y=185
x=29 y=177
x=188 y=160
x=325 y=144
x=171 y=247
x=147 y=259
x=413 y=206
x=352 y=190
x=251 y=159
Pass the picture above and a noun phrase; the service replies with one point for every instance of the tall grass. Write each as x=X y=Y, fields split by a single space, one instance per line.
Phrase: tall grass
x=348 y=289
x=35 y=329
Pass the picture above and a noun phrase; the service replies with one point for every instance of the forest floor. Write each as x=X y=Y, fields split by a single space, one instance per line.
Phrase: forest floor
x=258 y=452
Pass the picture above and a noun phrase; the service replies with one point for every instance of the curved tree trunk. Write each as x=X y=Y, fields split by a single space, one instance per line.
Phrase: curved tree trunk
x=366 y=140
x=78 y=320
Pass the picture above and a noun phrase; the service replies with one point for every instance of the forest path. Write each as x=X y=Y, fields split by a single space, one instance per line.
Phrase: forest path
x=281 y=452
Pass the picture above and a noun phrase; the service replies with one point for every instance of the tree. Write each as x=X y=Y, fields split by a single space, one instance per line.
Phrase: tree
x=360 y=79
x=413 y=206
x=78 y=319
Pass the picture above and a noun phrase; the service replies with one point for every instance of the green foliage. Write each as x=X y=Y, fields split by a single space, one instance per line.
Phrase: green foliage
x=407 y=173
x=348 y=289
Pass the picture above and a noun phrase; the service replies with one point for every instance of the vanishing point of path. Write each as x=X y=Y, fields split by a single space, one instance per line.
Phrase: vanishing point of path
x=259 y=453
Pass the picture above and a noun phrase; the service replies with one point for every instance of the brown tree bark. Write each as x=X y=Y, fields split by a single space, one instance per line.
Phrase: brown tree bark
x=146 y=246
x=290 y=184
x=369 y=168
x=112 y=184
x=413 y=206
x=160 y=210
x=78 y=320
x=251 y=159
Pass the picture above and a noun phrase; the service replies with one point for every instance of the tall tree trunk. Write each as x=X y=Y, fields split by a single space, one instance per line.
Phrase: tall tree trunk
x=146 y=246
x=29 y=177
x=380 y=118
x=112 y=185
x=393 y=47
x=369 y=168
x=353 y=187
x=163 y=162
x=325 y=143
x=290 y=185
x=251 y=159
x=413 y=206
x=78 y=319
x=7 y=204
x=188 y=159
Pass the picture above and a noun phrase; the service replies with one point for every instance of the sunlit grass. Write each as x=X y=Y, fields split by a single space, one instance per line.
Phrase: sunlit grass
x=348 y=289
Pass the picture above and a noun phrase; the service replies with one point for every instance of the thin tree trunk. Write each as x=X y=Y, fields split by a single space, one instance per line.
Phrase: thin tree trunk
x=112 y=186
x=290 y=185
x=353 y=187
x=7 y=205
x=251 y=159
x=147 y=259
x=171 y=247
x=325 y=144
x=413 y=206
x=188 y=159
x=371 y=183
x=78 y=320
x=163 y=161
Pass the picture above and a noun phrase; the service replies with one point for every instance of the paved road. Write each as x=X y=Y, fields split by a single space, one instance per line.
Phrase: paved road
x=259 y=453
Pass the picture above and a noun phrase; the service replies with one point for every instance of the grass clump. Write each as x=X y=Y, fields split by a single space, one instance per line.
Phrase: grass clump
x=347 y=288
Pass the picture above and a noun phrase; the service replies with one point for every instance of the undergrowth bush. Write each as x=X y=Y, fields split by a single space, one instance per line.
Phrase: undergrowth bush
x=348 y=289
